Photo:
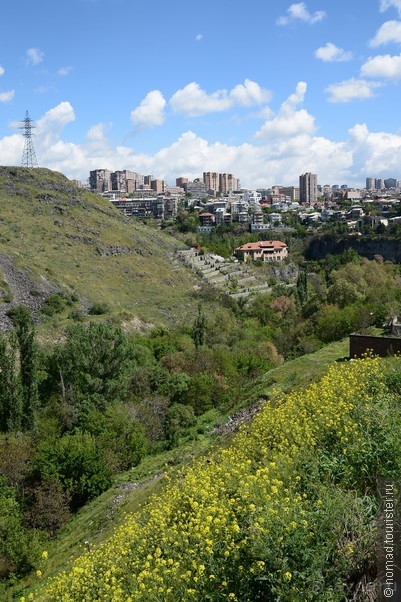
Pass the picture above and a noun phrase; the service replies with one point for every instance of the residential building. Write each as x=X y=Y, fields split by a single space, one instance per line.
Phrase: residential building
x=290 y=191
x=308 y=188
x=390 y=183
x=228 y=183
x=211 y=181
x=206 y=219
x=100 y=180
x=370 y=184
x=265 y=250
x=157 y=186
x=196 y=188
x=181 y=182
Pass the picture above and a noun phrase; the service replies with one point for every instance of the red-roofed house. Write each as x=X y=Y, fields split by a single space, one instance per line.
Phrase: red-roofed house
x=206 y=219
x=266 y=250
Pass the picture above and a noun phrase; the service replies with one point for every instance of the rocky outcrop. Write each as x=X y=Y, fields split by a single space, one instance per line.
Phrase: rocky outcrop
x=24 y=291
x=367 y=246
x=115 y=250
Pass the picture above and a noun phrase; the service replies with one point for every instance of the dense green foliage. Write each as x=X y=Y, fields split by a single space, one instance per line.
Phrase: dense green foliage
x=287 y=512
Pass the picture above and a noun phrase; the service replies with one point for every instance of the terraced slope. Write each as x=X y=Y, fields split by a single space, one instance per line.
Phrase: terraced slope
x=54 y=234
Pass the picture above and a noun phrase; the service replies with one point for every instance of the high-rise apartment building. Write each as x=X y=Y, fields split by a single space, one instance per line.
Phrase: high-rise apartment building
x=100 y=180
x=220 y=182
x=370 y=183
x=390 y=183
x=379 y=183
x=181 y=182
x=308 y=188
x=227 y=183
x=211 y=180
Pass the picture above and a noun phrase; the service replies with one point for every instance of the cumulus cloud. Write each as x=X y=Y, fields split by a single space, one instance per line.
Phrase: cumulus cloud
x=150 y=111
x=194 y=101
x=299 y=12
x=98 y=132
x=50 y=126
x=7 y=96
x=34 y=56
x=351 y=89
x=383 y=65
x=330 y=53
x=277 y=159
x=2 y=70
x=385 y=4
x=289 y=121
x=249 y=93
x=390 y=31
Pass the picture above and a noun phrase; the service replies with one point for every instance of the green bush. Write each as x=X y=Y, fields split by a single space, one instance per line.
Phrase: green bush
x=76 y=461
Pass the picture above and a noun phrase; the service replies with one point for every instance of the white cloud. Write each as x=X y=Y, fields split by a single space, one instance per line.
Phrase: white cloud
x=150 y=111
x=300 y=12
x=194 y=101
x=385 y=4
x=249 y=93
x=332 y=54
x=300 y=122
x=199 y=37
x=351 y=89
x=383 y=65
x=2 y=70
x=289 y=121
x=50 y=126
x=64 y=71
x=277 y=159
x=7 y=96
x=98 y=132
x=296 y=98
x=390 y=31
x=34 y=56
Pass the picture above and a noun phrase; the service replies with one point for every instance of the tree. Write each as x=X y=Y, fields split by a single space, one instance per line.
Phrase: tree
x=76 y=461
x=199 y=328
x=92 y=368
x=50 y=507
x=25 y=333
x=302 y=286
x=10 y=385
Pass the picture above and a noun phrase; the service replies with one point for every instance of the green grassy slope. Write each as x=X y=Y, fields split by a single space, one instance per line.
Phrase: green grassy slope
x=286 y=511
x=131 y=490
x=79 y=241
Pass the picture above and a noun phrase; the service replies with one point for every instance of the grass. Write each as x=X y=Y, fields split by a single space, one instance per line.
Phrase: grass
x=60 y=231
x=298 y=372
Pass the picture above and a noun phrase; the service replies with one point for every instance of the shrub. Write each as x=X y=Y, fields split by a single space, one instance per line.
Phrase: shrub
x=77 y=463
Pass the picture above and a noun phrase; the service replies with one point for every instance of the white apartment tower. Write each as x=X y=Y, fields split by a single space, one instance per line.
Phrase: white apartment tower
x=308 y=188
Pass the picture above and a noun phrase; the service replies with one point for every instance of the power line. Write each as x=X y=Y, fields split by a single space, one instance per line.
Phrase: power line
x=28 y=155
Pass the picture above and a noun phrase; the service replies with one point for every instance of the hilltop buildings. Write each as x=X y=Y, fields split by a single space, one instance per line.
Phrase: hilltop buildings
x=308 y=188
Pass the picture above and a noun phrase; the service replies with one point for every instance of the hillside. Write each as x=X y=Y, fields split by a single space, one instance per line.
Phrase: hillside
x=55 y=236
x=287 y=511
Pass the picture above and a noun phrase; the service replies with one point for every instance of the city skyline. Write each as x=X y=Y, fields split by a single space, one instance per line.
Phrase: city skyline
x=267 y=91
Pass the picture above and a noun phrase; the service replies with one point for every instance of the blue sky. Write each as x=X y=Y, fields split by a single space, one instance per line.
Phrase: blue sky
x=262 y=89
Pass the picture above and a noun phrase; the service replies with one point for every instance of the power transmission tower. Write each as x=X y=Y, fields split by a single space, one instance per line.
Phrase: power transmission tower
x=28 y=155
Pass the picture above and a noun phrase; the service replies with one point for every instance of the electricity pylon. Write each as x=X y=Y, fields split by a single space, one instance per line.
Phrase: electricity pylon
x=28 y=155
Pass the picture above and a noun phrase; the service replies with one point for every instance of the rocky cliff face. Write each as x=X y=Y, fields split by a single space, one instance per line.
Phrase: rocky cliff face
x=389 y=248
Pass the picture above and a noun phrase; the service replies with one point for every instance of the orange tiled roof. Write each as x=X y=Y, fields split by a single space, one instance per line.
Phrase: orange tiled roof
x=262 y=244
